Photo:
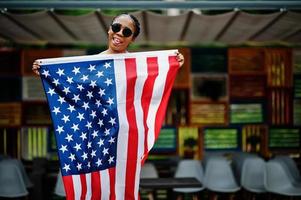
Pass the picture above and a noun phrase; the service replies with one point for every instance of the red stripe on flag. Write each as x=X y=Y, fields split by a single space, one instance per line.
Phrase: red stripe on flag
x=152 y=71
x=112 y=172
x=68 y=185
x=83 y=186
x=95 y=185
x=171 y=76
x=131 y=74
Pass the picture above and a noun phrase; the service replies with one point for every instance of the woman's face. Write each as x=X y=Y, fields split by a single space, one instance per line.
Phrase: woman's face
x=118 y=43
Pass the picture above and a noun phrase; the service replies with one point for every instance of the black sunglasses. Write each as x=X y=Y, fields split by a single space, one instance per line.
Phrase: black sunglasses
x=126 y=32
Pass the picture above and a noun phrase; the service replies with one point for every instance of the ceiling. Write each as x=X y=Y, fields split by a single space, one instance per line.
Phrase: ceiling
x=230 y=28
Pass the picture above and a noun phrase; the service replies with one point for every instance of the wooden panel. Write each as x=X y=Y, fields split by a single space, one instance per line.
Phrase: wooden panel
x=183 y=76
x=36 y=113
x=297 y=112
x=246 y=60
x=247 y=112
x=10 y=88
x=297 y=61
x=10 y=114
x=32 y=88
x=209 y=60
x=280 y=106
x=297 y=86
x=30 y=55
x=254 y=139
x=189 y=142
x=279 y=67
x=222 y=138
x=208 y=113
x=34 y=142
x=9 y=61
x=178 y=108
x=247 y=86
x=209 y=87
x=285 y=139
x=10 y=142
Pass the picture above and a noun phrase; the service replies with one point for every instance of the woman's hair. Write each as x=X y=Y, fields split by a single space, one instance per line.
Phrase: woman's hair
x=135 y=20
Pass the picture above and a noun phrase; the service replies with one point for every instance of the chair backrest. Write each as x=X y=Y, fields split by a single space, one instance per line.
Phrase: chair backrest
x=59 y=186
x=25 y=177
x=275 y=177
x=11 y=181
x=219 y=175
x=148 y=170
x=238 y=160
x=190 y=168
x=253 y=174
x=291 y=166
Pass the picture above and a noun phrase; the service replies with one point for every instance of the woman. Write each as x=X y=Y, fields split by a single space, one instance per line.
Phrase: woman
x=123 y=31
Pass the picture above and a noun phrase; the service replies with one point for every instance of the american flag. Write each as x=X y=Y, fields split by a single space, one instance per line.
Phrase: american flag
x=107 y=111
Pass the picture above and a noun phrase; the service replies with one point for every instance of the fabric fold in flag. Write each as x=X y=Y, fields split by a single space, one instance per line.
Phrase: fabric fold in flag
x=107 y=111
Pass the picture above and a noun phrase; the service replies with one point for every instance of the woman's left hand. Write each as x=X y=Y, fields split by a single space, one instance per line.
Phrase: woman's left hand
x=180 y=58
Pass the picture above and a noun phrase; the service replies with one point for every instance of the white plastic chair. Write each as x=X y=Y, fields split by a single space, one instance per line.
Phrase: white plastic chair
x=253 y=175
x=188 y=169
x=238 y=160
x=25 y=177
x=277 y=180
x=148 y=170
x=59 y=189
x=11 y=181
x=291 y=167
x=219 y=176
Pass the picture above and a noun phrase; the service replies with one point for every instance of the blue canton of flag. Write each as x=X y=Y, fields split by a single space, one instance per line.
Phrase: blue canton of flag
x=82 y=101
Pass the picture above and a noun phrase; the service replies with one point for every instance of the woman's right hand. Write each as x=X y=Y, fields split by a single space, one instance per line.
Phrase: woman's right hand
x=36 y=67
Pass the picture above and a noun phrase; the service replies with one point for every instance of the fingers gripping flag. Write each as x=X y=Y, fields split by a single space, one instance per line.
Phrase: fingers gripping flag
x=107 y=111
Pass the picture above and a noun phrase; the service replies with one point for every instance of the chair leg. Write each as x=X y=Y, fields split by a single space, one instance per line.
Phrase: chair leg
x=150 y=196
x=179 y=197
x=195 y=197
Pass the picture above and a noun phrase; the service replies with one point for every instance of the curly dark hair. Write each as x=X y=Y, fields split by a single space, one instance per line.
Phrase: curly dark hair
x=135 y=20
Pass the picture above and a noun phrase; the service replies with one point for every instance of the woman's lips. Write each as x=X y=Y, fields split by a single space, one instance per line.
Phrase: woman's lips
x=116 y=41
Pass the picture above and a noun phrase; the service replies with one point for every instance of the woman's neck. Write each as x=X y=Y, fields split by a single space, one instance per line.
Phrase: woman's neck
x=110 y=51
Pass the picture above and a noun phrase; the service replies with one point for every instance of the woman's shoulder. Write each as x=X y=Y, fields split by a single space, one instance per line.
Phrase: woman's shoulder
x=104 y=52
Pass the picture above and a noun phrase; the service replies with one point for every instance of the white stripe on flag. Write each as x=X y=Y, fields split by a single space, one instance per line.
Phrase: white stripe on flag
x=88 y=183
x=77 y=186
x=163 y=67
x=105 y=187
x=122 y=146
x=141 y=64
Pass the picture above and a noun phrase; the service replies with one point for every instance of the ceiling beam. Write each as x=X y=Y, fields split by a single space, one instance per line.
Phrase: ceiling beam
x=204 y=5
